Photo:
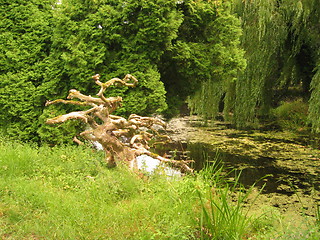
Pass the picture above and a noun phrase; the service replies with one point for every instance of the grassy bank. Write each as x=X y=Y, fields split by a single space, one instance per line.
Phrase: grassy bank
x=68 y=193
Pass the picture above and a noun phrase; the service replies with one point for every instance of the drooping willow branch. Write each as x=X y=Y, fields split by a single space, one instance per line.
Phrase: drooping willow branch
x=122 y=139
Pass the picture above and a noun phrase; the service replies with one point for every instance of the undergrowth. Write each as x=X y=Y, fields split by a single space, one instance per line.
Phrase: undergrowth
x=293 y=115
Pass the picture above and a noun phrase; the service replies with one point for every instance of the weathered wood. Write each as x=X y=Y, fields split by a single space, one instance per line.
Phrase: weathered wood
x=122 y=139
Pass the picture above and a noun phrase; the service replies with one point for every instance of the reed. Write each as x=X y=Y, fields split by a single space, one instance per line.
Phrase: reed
x=224 y=206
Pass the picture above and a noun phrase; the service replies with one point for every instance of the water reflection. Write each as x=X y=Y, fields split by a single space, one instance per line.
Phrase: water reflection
x=260 y=171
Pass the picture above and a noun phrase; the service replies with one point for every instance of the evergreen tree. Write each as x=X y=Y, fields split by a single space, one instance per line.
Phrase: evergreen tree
x=111 y=38
x=24 y=43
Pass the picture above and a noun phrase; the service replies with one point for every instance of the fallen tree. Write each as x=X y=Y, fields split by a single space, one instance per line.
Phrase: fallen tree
x=121 y=139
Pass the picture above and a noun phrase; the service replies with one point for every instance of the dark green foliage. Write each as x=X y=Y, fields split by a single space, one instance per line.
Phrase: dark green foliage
x=48 y=49
x=281 y=42
x=226 y=61
x=57 y=47
x=24 y=44
x=292 y=115
x=112 y=38
x=206 y=56
x=314 y=108
x=264 y=33
x=313 y=26
x=178 y=50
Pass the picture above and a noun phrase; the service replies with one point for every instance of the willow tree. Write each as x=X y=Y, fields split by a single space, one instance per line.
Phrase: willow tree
x=226 y=60
x=204 y=59
x=280 y=39
x=311 y=19
x=264 y=35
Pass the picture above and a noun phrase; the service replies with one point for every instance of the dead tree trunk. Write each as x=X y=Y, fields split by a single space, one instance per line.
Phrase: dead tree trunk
x=122 y=139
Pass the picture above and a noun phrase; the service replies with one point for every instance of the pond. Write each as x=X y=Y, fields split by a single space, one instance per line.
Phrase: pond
x=287 y=164
x=260 y=171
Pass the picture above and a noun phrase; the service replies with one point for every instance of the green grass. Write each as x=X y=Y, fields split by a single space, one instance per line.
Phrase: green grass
x=273 y=225
x=224 y=214
x=69 y=193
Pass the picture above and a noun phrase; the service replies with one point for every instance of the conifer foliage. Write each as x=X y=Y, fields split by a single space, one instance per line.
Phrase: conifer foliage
x=25 y=40
x=113 y=38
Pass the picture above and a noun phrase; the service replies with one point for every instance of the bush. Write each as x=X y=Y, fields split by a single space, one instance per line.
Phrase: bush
x=292 y=115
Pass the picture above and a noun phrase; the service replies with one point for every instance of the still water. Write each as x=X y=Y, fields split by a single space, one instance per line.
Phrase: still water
x=282 y=161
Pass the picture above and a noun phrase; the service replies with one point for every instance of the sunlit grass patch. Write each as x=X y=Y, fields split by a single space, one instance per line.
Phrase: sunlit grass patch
x=69 y=193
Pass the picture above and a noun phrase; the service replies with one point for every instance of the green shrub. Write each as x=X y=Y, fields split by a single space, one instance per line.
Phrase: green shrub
x=292 y=115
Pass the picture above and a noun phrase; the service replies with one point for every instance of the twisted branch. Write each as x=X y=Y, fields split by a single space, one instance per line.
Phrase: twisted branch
x=122 y=139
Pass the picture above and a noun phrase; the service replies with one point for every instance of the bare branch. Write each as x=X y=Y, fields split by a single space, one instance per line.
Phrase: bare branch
x=76 y=94
x=121 y=139
x=82 y=115
x=114 y=81
x=76 y=140
x=48 y=102
x=66 y=117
